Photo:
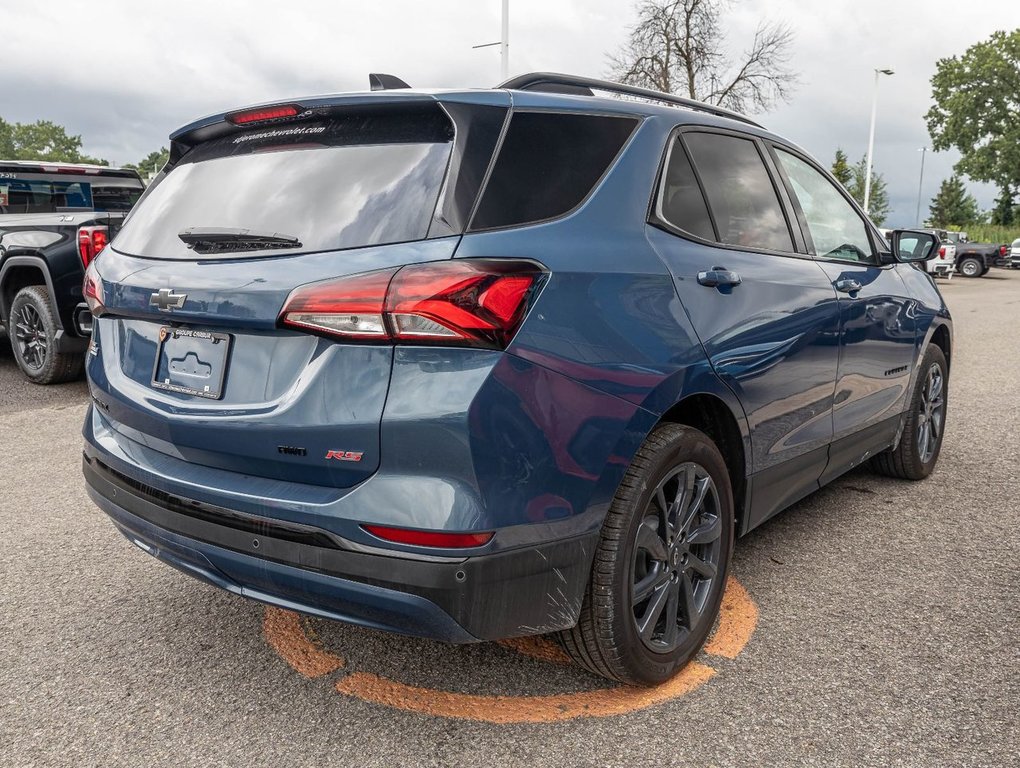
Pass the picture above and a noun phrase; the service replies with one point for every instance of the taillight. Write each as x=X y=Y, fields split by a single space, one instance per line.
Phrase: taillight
x=429 y=538
x=942 y=252
x=461 y=302
x=1002 y=250
x=92 y=288
x=263 y=113
x=91 y=240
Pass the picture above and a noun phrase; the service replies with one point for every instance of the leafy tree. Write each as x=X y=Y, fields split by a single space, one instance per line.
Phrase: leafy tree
x=152 y=162
x=953 y=205
x=678 y=46
x=852 y=177
x=977 y=100
x=41 y=140
x=841 y=168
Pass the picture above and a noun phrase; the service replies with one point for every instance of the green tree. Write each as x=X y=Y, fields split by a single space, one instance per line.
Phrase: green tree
x=841 y=168
x=953 y=205
x=1004 y=213
x=977 y=100
x=152 y=162
x=41 y=140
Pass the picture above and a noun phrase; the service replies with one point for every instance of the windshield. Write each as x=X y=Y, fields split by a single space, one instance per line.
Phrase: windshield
x=332 y=184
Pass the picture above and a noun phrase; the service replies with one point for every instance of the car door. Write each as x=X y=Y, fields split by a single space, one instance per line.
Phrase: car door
x=877 y=329
x=767 y=315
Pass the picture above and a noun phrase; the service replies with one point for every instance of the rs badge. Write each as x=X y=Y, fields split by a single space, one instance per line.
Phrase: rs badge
x=345 y=455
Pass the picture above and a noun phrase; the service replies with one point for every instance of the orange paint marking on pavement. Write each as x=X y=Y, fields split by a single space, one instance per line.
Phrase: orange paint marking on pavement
x=603 y=702
x=737 y=619
x=288 y=638
x=537 y=647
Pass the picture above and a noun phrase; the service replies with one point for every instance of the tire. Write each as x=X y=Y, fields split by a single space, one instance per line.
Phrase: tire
x=971 y=268
x=913 y=459
x=32 y=327
x=640 y=563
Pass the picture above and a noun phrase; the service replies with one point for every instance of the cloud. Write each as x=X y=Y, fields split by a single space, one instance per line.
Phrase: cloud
x=124 y=74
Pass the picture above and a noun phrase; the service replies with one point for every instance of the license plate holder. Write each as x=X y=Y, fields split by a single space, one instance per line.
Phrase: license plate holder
x=191 y=362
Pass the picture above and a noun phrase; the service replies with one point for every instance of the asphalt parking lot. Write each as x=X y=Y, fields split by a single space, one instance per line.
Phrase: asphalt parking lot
x=879 y=627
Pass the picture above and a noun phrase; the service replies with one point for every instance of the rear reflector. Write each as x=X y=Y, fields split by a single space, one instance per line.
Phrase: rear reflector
x=463 y=302
x=91 y=240
x=429 y=538
x=264 y=113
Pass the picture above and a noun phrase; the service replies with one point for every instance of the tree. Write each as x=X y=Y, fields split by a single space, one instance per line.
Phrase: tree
x=953 y=205
x=852 y=177
x=841 y=168
x=152 y=162
x=41 y=140
x=678 y=46
x=977 y=100
x=1004 y=213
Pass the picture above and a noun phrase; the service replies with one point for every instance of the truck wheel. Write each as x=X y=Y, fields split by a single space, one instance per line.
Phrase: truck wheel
x=660 y=567
x=971 y=268
x=32 y=327
x=916 y=455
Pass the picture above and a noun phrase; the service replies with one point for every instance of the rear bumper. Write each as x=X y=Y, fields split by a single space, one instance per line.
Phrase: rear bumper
x=529 y=590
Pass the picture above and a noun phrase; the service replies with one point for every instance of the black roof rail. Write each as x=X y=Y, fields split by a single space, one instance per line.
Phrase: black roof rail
x=553 y=82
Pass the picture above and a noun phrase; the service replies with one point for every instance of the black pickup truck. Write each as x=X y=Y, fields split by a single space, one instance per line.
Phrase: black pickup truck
x=975 y=259
x=54 y=219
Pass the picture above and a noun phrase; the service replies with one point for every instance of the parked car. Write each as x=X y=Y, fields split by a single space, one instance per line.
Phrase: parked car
x=1014 y=254
x=975 y=259
x=54 y=219
x=488 y=363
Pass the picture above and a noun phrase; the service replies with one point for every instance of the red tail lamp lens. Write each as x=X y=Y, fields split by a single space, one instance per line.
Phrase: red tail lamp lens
x=467 y=302
x=264 y=113
x=429 y=538
x=92 y=289
x=91 y=240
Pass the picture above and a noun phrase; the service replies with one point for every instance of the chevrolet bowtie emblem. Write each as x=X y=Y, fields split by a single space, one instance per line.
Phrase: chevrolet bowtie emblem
x=167 y=300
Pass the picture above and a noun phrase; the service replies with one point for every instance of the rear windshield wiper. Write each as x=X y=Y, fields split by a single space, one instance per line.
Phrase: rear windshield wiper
x=228 y=239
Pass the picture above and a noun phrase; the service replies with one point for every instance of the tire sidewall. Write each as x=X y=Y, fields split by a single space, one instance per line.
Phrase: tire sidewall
x=644 y=663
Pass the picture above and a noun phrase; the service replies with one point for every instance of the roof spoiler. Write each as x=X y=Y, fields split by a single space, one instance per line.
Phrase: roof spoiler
x=378 y=81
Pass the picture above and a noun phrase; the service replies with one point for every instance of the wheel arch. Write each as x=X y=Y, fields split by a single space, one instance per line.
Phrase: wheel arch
x=710 y=414
x=20 y=272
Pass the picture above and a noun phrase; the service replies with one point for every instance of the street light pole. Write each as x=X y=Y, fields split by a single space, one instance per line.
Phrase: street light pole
x=871 y=141
x=920 y=183
x=504 y=46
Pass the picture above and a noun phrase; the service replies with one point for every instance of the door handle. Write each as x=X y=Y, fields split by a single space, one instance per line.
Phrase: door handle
x=718 y=276
x=847 y=285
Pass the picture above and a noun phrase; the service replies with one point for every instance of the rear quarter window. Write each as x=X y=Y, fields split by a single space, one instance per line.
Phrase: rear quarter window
x=548 y=164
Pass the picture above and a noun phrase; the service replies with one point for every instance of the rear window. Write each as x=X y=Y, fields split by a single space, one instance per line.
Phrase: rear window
x=54 y=196
x=548 y=164
x=343 y=181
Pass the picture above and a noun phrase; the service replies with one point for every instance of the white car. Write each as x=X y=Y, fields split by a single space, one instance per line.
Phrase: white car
x=1014 y=254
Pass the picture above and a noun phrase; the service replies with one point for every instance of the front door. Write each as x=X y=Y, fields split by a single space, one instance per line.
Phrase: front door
x=877 y=345
x=768 y=317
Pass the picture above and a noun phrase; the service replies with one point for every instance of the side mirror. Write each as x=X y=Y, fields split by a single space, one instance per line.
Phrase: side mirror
x=911 y=245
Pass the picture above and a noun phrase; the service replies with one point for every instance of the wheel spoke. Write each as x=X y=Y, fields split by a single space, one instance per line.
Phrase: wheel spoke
x=649 y=540
x=694 y=509
x=936 y=424
x=923 y=438
x=646 y=624
x=707 y=532
x=703 y=567
x=643 y=589
x=672 y=613
x=688 y=602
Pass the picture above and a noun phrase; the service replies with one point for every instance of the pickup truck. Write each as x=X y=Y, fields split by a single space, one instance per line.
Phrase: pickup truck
x=975 y=259
x=54 y=219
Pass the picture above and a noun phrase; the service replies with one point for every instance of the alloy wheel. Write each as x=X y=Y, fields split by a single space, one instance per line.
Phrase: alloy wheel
x=931 y=414
x=30 y=335
x=676 y=557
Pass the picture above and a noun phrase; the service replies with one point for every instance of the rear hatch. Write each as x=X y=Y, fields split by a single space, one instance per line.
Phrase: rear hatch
x=191 y=358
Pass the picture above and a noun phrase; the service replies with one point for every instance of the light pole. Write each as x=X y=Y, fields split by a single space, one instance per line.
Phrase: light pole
x=871 y=141
x=920 y=183
x=503 y=42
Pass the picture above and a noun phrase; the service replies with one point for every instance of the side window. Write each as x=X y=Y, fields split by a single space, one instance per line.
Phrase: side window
x=743 y=201
x=836 y=228
x=548 y=164
x=680 y=200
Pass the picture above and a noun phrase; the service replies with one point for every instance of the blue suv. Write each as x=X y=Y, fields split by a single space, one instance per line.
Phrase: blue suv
x=488 y=363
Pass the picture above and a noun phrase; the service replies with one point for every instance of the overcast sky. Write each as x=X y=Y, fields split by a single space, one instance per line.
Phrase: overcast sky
x=124 y=73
